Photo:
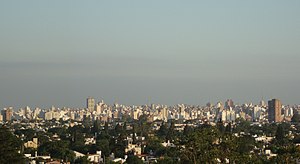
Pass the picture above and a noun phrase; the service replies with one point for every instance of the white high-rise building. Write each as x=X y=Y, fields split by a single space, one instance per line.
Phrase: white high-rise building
x=224 y=115
x=288 y=112
x=98 y=108
x=165 y=114
x=256 y=113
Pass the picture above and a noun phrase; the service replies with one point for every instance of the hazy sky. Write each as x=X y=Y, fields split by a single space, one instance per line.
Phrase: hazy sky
x=137 y=52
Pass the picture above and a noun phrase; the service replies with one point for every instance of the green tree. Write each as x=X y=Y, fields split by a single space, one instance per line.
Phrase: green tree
x=43 y=137
x=187 y=130
x=171 y=132
x=58 y=130
x=166 y=160
x=280 y=135
x=77 y=139
x=30 y=151
x=96 y=127
x=245 y=144
x=103 y=145
x=201 y=146
x=228 y=128
x=28 y=133
x=242 y=126
x=155 y=147
x=132 y=159
x=269 y=129
x=106 y=129
x=143 y=127
x=87 y=122
x=57 y=149
x=296 y=118
x=134 y=140
x=220 y=125
x=117 y=146
x=9 y=147
x=287 y=154
x=162 y=131
x=118 y=129
x=82 y=160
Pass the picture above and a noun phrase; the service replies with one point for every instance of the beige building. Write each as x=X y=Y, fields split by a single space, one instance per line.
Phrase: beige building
x=95 y=158
x=90 y=104
x=32 y=144
x=137 y=150
x=7 y=114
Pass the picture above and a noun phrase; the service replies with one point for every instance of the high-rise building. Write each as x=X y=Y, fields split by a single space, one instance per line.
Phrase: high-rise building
x=262 y=103
x=165 y=114
x=274 y=110
x=229 y=104
x=7 y=114
x=90 y=104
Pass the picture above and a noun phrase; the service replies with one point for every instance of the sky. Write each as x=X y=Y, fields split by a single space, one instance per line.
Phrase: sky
x=141 y=52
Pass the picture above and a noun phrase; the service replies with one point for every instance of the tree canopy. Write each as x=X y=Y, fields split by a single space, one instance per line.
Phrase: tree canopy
x=10 y=146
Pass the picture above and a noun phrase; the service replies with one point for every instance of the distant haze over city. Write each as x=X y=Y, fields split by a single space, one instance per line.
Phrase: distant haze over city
x=142 y=52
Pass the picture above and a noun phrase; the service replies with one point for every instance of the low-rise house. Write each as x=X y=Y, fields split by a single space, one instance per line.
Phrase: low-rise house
x=269 y=154
x=89 y=141
x=136 y=149
x=78 y=154
x=32 y=144
x=264 y=139
x=95 y=158
x=168 y=144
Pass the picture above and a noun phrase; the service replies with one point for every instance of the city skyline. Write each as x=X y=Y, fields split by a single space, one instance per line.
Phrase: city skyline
x=171 y=52
x=91 y=102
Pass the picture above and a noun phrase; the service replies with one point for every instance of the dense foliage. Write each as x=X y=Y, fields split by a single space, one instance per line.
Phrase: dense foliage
x=232 y=142
x=10 y=146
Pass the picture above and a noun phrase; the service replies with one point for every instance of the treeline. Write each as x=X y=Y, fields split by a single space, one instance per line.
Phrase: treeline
x=233 y=143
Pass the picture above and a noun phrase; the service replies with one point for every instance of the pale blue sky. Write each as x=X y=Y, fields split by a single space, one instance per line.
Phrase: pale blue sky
x=134 y=52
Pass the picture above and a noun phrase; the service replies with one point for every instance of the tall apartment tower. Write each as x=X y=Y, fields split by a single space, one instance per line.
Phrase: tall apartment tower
x=229 y=103
x=7 y=114
x=90 y=104
x=274 y=110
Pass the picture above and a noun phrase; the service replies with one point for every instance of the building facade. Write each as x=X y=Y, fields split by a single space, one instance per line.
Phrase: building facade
x=90 y=104
x=274 y=110
x=7 y=114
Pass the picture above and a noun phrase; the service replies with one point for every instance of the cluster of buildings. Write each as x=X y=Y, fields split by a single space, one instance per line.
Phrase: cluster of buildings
x=227 y=112
x=188 y=115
